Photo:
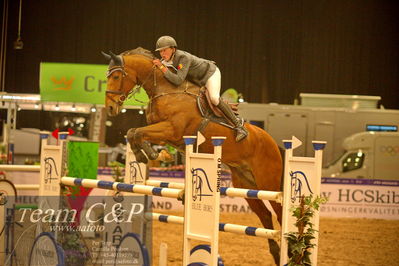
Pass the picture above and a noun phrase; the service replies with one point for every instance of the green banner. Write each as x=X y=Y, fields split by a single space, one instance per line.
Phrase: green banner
x=77 y=83
x=83 y=159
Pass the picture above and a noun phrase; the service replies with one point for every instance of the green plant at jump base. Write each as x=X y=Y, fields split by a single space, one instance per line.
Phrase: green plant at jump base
x=299 y=243
x=117 y=171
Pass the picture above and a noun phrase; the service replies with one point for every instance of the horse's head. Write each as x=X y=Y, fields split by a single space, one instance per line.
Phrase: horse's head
x=119 y=85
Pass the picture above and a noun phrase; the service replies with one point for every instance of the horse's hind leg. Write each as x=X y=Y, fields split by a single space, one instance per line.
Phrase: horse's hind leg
x=265 y=216
x=243 y=178
x=278 y=209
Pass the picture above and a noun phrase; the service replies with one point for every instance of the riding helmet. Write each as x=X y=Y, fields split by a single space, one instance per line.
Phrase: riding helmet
x=165 y=42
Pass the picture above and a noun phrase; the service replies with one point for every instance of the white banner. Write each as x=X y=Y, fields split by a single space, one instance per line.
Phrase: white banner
x=360 y=198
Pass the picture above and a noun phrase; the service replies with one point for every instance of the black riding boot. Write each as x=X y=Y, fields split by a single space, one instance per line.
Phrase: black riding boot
x=241 y=131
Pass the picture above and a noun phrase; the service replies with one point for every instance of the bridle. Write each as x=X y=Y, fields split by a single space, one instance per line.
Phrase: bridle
x=123 y=96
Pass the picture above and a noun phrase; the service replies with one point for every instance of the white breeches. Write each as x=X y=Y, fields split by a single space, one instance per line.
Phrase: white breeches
x=213 y=86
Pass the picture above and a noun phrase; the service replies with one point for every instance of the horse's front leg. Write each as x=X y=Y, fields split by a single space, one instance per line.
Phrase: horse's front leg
x=141 y=139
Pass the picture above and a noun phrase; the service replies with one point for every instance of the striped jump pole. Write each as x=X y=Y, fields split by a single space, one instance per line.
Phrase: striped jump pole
x=223 y=227
x=118 y=186
x=226 y=191
x=159 y=183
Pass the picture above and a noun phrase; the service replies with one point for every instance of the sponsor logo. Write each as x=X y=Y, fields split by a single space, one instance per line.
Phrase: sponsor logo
x=62 y=83
x=389 y=150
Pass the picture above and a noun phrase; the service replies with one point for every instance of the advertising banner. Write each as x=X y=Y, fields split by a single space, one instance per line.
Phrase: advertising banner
x=77 y=83
x=360 y=198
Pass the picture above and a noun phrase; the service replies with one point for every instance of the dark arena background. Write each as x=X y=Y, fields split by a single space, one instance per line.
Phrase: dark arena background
x=268 y=51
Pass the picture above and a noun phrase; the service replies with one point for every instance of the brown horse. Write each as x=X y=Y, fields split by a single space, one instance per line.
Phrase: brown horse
x=172 y=113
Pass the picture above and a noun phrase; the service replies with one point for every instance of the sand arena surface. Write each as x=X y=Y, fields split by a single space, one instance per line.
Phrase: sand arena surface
x=343 y=241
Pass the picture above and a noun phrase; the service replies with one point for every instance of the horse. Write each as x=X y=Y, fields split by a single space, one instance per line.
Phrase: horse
x=172 y=112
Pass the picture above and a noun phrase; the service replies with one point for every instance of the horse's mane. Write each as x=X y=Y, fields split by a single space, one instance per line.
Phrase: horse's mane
x=139 y=51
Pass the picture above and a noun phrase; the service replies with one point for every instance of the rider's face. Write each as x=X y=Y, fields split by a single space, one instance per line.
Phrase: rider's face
x=167 y=53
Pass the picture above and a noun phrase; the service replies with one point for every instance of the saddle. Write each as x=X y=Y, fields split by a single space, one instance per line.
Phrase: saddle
x=211 y=113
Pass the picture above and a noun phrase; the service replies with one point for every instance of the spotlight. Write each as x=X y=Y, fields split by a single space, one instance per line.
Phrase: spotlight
x=18 y=44
x=123 y=110
x=36 y=106
x=141 y=111
x=57 y=107
x=73 y=108
x=93 y=109
x=18 y=108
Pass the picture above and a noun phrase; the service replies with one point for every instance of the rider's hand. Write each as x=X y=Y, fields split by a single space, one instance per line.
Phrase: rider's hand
x=159 y=64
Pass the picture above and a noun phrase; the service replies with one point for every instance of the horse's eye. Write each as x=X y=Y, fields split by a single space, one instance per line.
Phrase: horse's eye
x=116 y=77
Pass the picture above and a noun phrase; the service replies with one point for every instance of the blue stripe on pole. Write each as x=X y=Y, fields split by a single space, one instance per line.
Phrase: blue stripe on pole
x=164 y=184
x=163 y=218
x=157 y=191
x=105 y=184
x=252 y=193
x=78 y=181
x=250 y=231
x=221 y=226
x=223 y=191
x=124 y=187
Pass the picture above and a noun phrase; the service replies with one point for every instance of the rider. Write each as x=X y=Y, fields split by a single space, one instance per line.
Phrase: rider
x=200 y=71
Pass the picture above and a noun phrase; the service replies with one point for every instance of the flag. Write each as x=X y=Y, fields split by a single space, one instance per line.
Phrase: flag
x=200 y=139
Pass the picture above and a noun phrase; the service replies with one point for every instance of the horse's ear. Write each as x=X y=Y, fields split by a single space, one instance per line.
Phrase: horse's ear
x=107 y=56
x=117 y=59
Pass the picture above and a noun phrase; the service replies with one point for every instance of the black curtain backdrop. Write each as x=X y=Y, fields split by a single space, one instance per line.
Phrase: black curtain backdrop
x=269 y=50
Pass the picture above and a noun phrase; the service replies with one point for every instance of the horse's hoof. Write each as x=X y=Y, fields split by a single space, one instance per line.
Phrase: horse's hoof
x=153 y=155
x=141 y=158
x=181 y=196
